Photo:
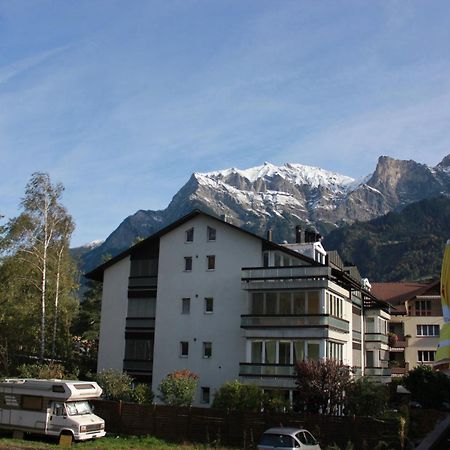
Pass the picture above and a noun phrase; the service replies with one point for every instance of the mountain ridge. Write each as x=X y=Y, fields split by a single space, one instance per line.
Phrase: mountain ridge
x=280 y=197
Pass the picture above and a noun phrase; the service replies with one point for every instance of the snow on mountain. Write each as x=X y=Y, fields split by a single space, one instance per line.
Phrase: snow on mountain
x=297 y=174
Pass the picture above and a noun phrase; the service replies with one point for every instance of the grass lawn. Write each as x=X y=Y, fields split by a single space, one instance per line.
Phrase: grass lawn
x=108 y=442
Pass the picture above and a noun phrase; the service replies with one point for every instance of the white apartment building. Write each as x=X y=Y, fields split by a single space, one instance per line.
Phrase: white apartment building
x=205 y=295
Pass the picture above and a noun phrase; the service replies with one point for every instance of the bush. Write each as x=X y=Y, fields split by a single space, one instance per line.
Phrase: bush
x=44 y=371
x=142 y=394
x=116 y=385
x=364 y=397
x=236 y=396
x=178 y=388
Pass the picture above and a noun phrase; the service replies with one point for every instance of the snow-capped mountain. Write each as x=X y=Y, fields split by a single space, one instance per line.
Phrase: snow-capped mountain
x=280 y=197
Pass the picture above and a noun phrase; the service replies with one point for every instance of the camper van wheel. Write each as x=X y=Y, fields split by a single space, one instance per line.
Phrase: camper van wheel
x=65 y=439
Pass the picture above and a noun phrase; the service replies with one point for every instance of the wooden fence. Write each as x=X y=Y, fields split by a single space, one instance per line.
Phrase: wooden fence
x=216 y=427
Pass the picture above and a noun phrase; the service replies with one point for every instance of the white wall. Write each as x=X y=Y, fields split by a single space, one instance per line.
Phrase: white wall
x=114 y=312
x=233 y=250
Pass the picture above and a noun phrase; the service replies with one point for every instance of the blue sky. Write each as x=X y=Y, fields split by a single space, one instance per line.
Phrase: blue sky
x=122 y=100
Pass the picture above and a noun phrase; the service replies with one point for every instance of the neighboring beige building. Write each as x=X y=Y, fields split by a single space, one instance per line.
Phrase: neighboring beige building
x=416 y=319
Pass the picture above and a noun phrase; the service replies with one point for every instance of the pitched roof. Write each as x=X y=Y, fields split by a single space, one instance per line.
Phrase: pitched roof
x=97 y=273
x=398 y=293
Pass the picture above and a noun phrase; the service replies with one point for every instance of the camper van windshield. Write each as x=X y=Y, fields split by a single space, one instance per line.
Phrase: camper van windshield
x=78 y=408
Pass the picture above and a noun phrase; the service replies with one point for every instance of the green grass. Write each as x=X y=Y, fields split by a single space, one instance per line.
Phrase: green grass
x=108 y=442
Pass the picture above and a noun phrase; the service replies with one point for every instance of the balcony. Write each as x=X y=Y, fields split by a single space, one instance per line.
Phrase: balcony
x=294 y=321
x=137 y=365
x=376 y=337
x=140 y=323
x=356 y=335
x=266 y=370
x=259 y=277
x=142 y=282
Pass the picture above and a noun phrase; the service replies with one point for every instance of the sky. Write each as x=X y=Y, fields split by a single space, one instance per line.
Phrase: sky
x=121 y=101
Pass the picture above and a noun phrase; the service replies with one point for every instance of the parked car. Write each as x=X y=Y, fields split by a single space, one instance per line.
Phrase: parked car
x=288 y=439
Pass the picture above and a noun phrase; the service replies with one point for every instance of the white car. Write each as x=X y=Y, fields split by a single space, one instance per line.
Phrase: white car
x=287 y=439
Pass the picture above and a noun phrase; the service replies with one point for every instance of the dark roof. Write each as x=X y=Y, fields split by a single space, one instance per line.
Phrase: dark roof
x=97 y=273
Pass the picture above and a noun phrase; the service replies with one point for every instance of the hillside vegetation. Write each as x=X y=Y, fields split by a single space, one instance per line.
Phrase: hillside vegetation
x=405 y=245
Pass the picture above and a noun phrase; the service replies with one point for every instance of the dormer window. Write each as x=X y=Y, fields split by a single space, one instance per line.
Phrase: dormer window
x=189 y=235
x=211 y=234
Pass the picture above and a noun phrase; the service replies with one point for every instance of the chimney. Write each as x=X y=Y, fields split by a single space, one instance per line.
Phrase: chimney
x=298 y=234
x=269 y=234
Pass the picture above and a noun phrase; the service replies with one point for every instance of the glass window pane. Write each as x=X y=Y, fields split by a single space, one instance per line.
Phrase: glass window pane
x=185 y=306
x=313 y=351
x=284 y=353
x=257 y=303
x=256 y=352
x=211 y=234
x=271 y=303
x=270 y=352
x=313 y=302
x=285 y=303
x=299 y=303
x=299 y=351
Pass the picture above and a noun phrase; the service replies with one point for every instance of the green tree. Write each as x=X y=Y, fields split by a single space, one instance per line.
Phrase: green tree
x=364 y=397
x=428 y=387
x=38 y=277
x=178 y=388
x=321 y=385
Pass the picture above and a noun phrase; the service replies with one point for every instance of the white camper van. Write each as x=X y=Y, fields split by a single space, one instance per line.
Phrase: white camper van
x=52 y=407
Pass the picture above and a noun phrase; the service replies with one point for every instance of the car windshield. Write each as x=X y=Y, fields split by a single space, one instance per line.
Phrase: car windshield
x=78 y=408
x=277 y=440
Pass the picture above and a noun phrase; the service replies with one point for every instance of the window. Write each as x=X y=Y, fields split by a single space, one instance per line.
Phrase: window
x=205 y=394
x=257 y=347
x=188 y=263
x=285 y=303
x=211 y=259
x=427 y=330
x=423 y=307
x=425 y=356
x=141 y=307
x=207 y=349
x=185 y=305
x=211 y=234
x=184 y=349
x=32 y=403
x=209 y=305
x=271 y=303
x=284 y=353
x=189 y=235
x=139 y=349
x=257 y=306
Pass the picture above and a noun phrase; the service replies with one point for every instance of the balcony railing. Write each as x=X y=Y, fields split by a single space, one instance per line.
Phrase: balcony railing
x=137 y=365
x=356 y=335
x=376 y=337
x=293 y=321
x=140 y=322
x=377 y=372
x=266 y=370
x=289 y=272
x=142 y=282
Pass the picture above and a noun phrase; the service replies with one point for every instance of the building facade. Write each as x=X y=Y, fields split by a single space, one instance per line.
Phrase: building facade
x=205 y=295
x=416 y=319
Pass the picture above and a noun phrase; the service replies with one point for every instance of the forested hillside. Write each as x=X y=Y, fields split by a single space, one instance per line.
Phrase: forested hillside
x=405 y=245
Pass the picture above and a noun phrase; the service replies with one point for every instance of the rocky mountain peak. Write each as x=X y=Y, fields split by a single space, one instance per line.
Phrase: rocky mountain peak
x=280 y=197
